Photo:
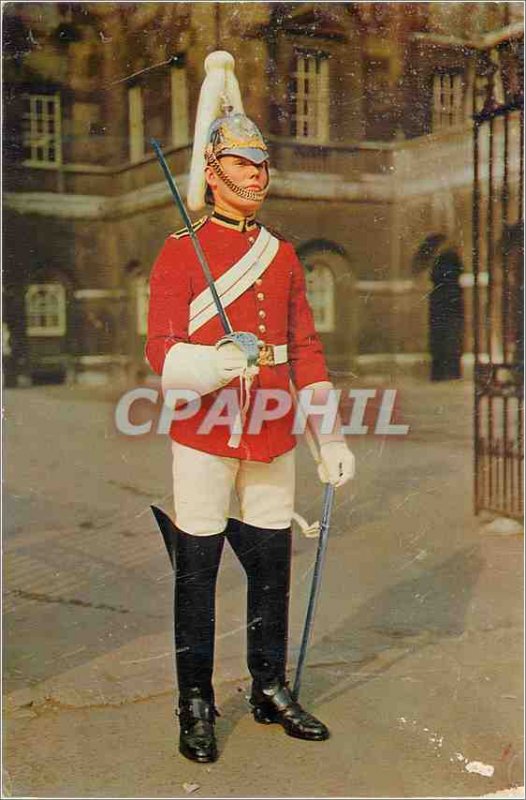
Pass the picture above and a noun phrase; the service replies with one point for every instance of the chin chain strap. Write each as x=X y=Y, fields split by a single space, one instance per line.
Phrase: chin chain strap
x=246 y=194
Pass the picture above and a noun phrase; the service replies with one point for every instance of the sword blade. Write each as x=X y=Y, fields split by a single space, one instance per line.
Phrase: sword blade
x=315 y=586
x=195 y=241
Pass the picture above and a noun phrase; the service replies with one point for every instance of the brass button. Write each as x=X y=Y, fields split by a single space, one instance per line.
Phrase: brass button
x=251 y=239
x=258 y=281
x=262 y=328
x=260 y=296
x=261 y=314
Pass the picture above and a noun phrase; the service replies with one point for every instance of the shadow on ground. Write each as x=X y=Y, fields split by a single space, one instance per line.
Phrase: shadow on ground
x=404 y=619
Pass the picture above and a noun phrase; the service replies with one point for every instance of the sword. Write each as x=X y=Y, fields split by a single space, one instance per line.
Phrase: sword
x=316 y=585
x=247 y=342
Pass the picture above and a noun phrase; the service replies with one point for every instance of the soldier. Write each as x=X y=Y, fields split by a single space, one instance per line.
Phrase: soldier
x=261 y=283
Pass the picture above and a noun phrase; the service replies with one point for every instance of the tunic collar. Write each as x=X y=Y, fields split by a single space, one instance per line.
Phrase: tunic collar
x=242 y=225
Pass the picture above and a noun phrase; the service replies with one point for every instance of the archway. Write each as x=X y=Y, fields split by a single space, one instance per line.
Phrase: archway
x=439 y=260
x=330 y=290
x=48 y=324
x=446 y=317
x=510 y=281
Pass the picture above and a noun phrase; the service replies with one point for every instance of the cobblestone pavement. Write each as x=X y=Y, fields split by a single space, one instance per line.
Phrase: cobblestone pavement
x=416 y=659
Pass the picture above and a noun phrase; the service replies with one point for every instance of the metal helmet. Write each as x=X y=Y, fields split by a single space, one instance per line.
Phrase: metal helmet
x=236 y=135
x=222 y=129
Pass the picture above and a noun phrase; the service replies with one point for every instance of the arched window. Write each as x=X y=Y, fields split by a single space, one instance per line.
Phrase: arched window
x=46 y=309
x=142 y=299
x=320 y=292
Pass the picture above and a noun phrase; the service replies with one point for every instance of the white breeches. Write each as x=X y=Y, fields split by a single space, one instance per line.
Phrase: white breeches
x=203 y=485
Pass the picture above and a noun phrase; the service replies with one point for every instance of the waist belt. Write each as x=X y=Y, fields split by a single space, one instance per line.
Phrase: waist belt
x=271 y=355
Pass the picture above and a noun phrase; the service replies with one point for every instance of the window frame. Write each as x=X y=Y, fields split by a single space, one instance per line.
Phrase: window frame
x=315 y=271
x=450 y=114
x=57 y=330
x=35 y=139
x=314 y=118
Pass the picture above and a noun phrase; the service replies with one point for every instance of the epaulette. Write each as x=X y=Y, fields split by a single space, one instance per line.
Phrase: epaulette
x=180 y=234
x=275 y=233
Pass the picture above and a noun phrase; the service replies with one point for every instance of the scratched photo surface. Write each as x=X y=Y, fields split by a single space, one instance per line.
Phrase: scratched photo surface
x=394 y=133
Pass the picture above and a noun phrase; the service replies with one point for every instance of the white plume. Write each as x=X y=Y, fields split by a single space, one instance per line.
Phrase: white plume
x=219 y=86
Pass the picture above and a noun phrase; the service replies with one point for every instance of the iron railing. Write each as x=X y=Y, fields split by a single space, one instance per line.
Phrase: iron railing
x=498 y=311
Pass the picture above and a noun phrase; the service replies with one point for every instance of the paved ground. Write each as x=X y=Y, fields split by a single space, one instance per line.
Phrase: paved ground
x=416 y=663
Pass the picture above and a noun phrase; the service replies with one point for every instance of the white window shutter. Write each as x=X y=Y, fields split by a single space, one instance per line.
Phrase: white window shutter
x=179 y=103
x=136 y=123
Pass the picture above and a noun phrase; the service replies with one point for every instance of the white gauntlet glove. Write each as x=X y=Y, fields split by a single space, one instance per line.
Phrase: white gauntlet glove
x=230 y=362
x=337 y=463
x=202 y=368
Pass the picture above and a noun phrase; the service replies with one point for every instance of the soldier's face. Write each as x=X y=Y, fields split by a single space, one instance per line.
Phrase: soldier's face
x=243 y=173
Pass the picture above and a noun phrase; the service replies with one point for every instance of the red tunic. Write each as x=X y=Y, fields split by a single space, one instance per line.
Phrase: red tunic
x=275 y=308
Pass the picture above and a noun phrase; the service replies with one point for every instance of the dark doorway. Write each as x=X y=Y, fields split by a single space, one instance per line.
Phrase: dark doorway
x=446 y=317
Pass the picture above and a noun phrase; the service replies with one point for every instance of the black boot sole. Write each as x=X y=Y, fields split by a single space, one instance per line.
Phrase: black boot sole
x=263 y=718
x=191 y=756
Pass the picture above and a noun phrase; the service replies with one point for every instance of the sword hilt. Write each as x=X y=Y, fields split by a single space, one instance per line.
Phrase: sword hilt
x=247 y=342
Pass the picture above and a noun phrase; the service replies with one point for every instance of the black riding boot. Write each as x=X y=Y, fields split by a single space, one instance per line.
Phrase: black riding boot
x=265 y=557
x=196 y=565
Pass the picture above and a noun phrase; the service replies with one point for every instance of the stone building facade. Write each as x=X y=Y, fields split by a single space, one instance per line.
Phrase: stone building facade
x=368 y=110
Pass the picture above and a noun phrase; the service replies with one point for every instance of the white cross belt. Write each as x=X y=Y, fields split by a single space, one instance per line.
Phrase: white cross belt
x=236 y=280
